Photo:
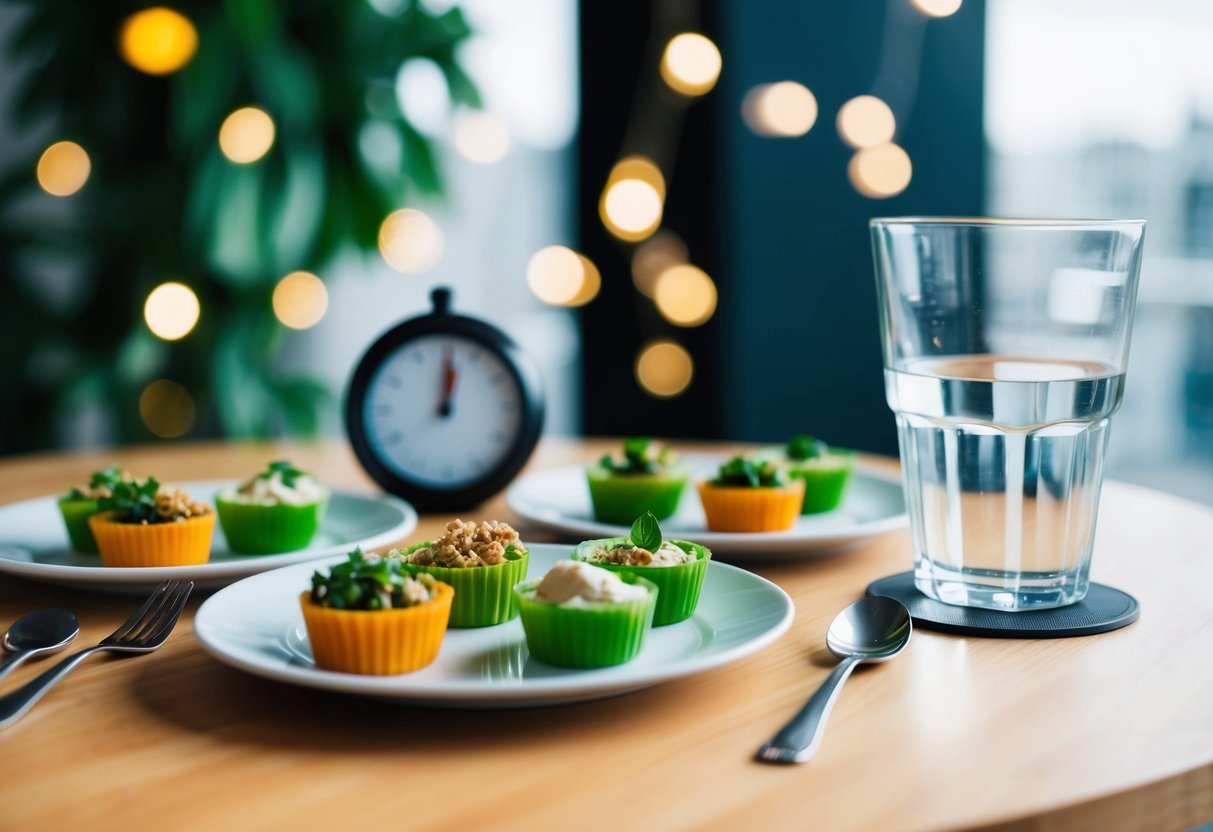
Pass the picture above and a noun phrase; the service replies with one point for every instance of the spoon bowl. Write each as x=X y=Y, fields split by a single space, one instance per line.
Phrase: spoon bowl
x=42 y=631
x=872 y=629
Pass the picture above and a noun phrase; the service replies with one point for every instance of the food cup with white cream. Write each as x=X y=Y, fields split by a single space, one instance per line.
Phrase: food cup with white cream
x=278 y=510
x=676 y=567
x=582 y=616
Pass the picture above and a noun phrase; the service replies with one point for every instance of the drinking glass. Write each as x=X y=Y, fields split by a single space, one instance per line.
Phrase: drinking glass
x=1005 y=349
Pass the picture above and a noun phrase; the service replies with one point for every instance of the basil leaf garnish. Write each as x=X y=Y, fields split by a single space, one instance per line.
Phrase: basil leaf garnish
x=646 y=533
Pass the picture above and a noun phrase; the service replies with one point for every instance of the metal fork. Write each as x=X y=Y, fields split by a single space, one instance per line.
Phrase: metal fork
x=143 y=632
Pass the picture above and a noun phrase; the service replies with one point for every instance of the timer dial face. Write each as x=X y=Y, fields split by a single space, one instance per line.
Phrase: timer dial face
x=442 y=410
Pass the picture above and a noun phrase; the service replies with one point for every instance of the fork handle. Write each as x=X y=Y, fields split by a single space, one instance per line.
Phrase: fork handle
x=797 y=741
x=14 y=705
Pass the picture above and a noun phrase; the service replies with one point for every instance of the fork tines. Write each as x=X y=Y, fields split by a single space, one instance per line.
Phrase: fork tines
x=163 y=607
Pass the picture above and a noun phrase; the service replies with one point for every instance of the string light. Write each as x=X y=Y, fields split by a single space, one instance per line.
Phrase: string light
x=633 y=199
x=166 y=408
x=880 y=172
x=655 y=255
x=866 y=121
x=664 y=369
x=63 y=168
x=410 y=241
x=783 y=110
x=246 y=135
x=685 y=295
x=690 y=64
x=562 y=277
x=158 y=41
x=171 y=311
x=937 y=8
x=482 y=138
x=300 y=300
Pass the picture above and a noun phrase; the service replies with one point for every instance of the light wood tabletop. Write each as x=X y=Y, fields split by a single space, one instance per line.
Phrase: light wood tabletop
x=1113 y=731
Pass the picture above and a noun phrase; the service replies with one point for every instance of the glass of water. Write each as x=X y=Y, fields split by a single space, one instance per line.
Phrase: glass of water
x=1005 y=348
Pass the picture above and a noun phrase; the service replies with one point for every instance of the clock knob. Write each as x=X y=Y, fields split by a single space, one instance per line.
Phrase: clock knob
x=441 y=298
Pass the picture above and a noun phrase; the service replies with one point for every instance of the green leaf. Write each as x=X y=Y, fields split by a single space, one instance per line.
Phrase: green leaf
x=803 y=446
x=646 y=533
x=133 y=501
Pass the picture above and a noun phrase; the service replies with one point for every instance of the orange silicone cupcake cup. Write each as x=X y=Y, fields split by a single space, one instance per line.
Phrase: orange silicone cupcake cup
x=742 y=509
x=377 y=642
x=176 y=543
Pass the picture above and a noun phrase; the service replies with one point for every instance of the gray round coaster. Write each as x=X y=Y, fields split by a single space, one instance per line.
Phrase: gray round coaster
x=1102 y=610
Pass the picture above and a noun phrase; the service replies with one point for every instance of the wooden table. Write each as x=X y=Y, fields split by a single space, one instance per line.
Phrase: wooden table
x=1106 y=732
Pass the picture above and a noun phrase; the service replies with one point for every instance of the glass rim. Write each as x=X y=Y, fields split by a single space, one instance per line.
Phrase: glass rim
x=1020 y=222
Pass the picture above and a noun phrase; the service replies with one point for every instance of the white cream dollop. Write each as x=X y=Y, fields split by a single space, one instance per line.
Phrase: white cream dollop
x=574 y=583
x=272 y=490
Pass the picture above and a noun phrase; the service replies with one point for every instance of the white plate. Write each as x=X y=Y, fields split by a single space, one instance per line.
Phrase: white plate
x=559 y=499
x=256 y=625
x=34 y=545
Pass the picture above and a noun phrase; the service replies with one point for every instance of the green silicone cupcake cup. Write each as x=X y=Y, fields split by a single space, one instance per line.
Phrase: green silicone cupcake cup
x=484 y=595
x=259 y=529
x=75 y=518
x=825 y=481
x=595 y=635
x=621 y=498
x=678 y=587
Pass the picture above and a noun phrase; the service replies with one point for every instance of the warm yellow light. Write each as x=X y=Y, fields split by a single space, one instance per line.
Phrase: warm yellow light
x=685 y=295
x=167 y=408
x=63 y=168
x=690 y=64
x=562 y=277
x=633 y=199
x=158 y=41
x=880 y=172
x=866 y=121
x=937 y=8
x=300 y=300
x=784 y=110
x=246 y=135
x=482 y=138
x=655 y=255
x=171 y=311
x=664 y=369
x=410 y=241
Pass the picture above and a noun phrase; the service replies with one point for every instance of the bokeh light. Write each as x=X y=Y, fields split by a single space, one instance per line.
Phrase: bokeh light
x=690 y=64
x=158 y=41
x=171 y=311
x=300 y=300
x=63 y=168
x=246 y=135
x=410 y=241
x=664 y=369
x=685 y=295
x=654 y=256
x=866 y=121
x=784 y=109
x=562 y=277
x=482 y=138
x=633 y=199
x=166 y=408
x=937 y=8
x=880 y=172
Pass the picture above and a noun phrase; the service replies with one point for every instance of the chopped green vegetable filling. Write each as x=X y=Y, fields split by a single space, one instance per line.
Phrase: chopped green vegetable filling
x=751 y=473
x=641 y=455
x=369 y=582
x=133 y=501
x=803 y=446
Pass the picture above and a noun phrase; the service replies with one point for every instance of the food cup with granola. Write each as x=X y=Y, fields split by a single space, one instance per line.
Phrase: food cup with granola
x=369 y=616
x=79 y=504
x=278 y=510
x=482 y=561
x=583 y=616
x=676 y=567
x=144 y=524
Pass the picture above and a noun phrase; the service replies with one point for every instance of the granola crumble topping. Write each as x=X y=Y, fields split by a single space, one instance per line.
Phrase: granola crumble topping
x=469 y=545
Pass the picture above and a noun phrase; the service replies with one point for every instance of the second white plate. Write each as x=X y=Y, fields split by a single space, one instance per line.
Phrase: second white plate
x=559 y=499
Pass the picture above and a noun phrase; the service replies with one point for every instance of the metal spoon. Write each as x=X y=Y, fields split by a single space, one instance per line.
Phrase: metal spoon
x=43 y=631
x=870 y=630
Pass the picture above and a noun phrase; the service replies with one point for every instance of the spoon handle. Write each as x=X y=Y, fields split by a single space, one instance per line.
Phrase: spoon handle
x=13 y=660
x=798 y=740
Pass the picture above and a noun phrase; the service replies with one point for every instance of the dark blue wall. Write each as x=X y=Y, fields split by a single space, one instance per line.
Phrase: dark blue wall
x=800 y=349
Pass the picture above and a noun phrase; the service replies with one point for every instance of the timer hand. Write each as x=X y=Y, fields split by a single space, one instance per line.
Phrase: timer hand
x=449 y=378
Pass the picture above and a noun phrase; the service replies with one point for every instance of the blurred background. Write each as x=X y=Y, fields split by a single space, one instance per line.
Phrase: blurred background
x=208 y=211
